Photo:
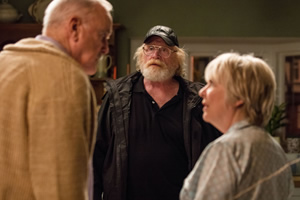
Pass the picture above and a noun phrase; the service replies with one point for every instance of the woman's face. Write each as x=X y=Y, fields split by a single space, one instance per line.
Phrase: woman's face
x=216 y=110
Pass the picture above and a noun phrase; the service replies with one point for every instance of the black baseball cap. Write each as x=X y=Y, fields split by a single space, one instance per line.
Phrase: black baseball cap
x=166 y=33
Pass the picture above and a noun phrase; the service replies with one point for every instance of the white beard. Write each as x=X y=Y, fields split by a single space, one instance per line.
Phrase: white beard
x=157 y=71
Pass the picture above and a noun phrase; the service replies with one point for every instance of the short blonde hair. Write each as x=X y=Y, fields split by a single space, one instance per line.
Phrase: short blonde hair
x=180 y=56
x=246 y=78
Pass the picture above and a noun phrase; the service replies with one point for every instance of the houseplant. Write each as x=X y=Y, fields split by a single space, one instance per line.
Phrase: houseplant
x=277 y=119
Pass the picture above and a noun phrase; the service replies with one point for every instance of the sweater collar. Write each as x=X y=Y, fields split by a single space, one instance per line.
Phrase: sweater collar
x=51 y=40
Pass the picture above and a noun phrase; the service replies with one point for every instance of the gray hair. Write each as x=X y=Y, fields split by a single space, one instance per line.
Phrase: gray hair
x=59 y=10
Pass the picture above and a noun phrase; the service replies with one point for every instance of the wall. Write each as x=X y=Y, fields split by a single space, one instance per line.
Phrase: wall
x=22 y=6
x=198 y=18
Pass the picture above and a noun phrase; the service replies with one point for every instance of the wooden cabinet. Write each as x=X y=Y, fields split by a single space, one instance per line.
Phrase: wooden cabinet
x=99 y=83
x=11 y=33
x=99 y=88
x=297 y=181
x=292 y=96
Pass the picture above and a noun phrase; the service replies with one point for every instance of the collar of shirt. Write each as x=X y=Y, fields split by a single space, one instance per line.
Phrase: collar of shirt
x=139 y=87
x=54 y=42
x=238 y=126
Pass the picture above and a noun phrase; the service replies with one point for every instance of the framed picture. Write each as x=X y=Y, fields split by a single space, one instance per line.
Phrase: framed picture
x=198 y=65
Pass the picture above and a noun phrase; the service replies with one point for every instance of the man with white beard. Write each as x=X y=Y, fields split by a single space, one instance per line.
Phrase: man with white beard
x=151 y=130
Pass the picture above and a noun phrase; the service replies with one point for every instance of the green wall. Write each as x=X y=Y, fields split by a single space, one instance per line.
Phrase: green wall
x=205 y=18
x=198 y=18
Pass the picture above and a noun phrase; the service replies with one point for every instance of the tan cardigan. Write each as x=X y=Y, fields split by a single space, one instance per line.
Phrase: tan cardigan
x=47 y=123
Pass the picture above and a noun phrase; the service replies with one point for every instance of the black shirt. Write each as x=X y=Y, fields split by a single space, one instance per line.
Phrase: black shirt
x=157 y=162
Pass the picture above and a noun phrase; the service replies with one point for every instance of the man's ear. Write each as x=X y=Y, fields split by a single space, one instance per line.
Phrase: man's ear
x=75 y=28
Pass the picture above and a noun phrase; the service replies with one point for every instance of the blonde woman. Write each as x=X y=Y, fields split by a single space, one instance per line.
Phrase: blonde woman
x=244 y=163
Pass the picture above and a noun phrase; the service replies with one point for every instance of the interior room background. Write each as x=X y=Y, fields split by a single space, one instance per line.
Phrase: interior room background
x=204 y=27
x=268 y=28
x=196 y=18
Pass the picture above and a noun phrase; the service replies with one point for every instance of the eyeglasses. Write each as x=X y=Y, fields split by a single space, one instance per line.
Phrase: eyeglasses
x=163 y=51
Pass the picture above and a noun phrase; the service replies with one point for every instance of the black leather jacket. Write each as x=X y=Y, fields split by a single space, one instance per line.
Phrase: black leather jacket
x=111 y=156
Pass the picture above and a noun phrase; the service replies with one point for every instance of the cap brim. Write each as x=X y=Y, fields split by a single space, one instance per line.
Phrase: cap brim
x=166 y=39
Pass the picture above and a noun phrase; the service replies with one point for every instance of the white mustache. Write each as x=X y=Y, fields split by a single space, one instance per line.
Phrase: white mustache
x=155 y=62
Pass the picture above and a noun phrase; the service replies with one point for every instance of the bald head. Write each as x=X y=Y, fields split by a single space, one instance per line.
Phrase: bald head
x=59 y=11
x=82 y=27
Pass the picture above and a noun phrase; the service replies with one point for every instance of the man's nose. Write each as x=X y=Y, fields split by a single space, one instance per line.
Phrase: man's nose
x=156 y=53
